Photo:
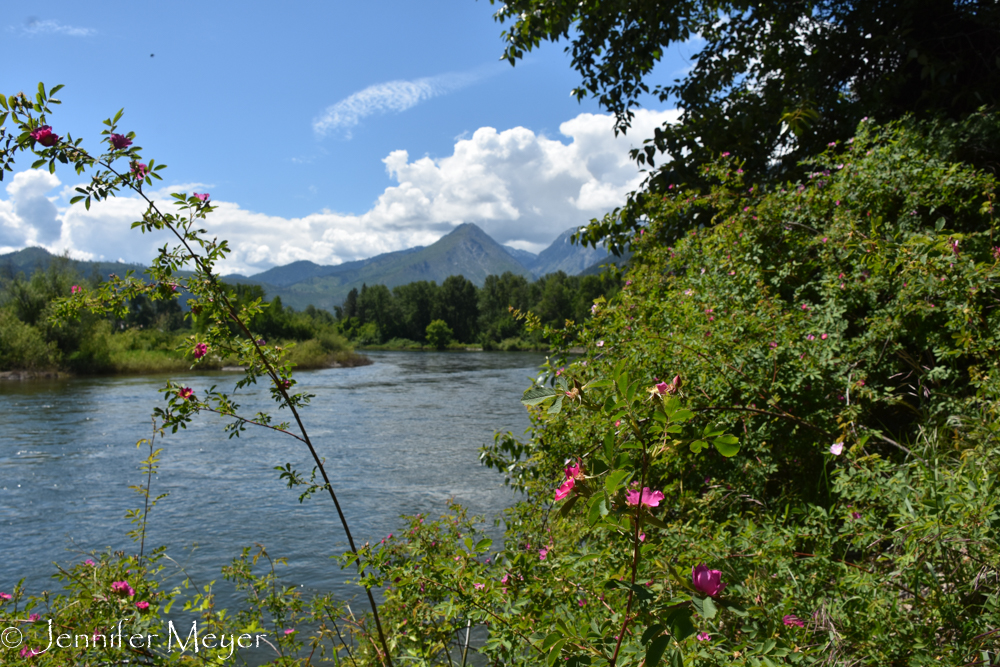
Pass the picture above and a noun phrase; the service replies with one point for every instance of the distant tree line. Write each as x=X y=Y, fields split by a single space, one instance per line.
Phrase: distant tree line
x=376 y=314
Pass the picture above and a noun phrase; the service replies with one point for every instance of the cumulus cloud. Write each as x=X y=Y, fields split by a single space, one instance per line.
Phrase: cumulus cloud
x=35 y=26
x=521 y=187
x=392 y=96
x=29 y=216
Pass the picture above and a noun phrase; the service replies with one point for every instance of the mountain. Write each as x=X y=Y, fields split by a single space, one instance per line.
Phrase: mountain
x=564 y=256
x=525 y=258
x=467 y=251
x=28 y=260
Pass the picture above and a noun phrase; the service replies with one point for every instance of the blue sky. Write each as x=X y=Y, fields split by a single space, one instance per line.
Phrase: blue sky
x=325 y=131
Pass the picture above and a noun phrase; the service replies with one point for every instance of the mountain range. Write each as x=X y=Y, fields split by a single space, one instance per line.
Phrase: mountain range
x=467 y=250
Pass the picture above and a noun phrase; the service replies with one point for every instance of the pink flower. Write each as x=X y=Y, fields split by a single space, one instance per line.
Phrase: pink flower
x=88 y=562
x=582 y=603
x=119 y=141
x=703 y=636
x=823 y=337
x=139 y=170
x=185 y=393
x=44 y=136
x=200 y=350
x=564 y=489
x=600 y=343
x=75 y=289
x=542 y=553
x=805 y=307
x=810 y=337
x=504 y=578
x=573 y=472
x=142 y=605
x=33 y=617
x=792 y=619
x=648 y=498
x=478 y=586
x=661 y=388
x=837 y=448
x=5 y=596
x=289 y=631
x=642 y=537
x=29 y=652
x=855 y=515
x=707 y=581
x=201 y=196
x=123 y=588
x=618 y=422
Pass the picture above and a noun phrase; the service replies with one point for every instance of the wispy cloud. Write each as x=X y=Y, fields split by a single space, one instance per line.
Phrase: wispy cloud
x=35 y=26
x=389 y=97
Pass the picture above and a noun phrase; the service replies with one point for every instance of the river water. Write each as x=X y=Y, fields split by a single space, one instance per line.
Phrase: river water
x=400 y=436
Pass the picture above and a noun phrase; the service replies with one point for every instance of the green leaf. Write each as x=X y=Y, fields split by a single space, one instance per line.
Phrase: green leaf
x=614 y=480
x=556 y=651
x=680 y=624
x=537 y=395
x=681 y=416
x=550 y=640
x=728 y=445
x=598 y=384
x=556 y=406
x=651 y=631
x=709 y=610
x=484 y=544
x=697 y=446
x=676 y=658
x=609 y=447
x=598 y=508
x=655 y=651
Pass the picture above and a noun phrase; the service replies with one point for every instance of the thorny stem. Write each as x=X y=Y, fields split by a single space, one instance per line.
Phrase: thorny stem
x=213 y=279
x=145 y=511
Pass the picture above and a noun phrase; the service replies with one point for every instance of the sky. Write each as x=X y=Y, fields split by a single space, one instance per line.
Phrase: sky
x=326 y=131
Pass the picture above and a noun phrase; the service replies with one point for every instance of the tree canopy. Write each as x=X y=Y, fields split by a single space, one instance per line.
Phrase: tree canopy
x=772 y=83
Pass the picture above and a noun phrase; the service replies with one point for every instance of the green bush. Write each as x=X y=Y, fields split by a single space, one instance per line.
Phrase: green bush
x=438 y=334
x=22 y=346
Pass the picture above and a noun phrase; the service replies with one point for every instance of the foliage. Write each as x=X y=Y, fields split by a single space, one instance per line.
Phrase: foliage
x=773 y=82
x=439 y=334
x=376 y=315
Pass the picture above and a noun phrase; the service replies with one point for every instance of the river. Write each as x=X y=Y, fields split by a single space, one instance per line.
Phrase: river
x=400 y=436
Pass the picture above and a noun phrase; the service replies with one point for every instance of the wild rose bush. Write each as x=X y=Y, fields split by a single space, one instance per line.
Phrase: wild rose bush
x=817 y=483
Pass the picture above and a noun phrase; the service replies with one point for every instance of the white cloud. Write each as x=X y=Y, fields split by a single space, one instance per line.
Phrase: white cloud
x=522 y=188
x=36 y=27
x=392 y=96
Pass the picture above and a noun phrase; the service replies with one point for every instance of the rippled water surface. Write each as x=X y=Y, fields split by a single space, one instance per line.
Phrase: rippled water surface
x=400 y=436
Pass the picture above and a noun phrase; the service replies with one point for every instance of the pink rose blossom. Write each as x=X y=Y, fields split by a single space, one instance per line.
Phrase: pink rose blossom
x=142 y=605
x=600 y=343
x=88 y=562
x=5 y=596
x=478 y=586
x=139 y=170
x=119 y=141
x=289 y=631
x=33 y=617
x=45 y=136
x=75 y=289
x=29 y=652
x=703 y=636
x=542 y=553
x=792 y=619
x=203 y=196
x=837 y=448
x=185 y=393
x=648 y=498
x=707 y=581
x=123 y=588
x=564 y=489
x=200 y=350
